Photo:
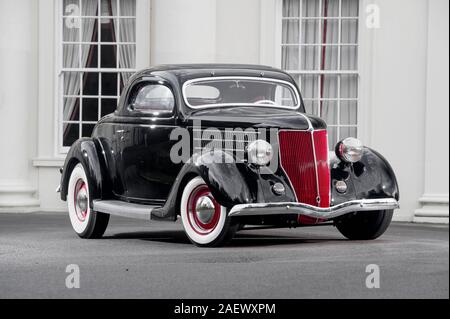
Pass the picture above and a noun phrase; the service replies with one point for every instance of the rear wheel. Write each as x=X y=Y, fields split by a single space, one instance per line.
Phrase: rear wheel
x=205 y=221
x=364 y=225
x=85 y=222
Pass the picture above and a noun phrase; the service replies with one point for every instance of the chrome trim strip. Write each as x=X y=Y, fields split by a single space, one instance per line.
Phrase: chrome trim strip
x=329 y=167
x=223 y=140
x=261 y=209
x=223 y=131
x=310 y=126
x=220 y=149
x=213 y=78
x=318 y=199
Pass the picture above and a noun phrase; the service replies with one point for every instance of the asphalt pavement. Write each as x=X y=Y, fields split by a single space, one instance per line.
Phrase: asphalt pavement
x=138 y=259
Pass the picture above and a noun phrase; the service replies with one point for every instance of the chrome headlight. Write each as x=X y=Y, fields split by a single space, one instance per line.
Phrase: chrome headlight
x=349 y=150
x=259 y=152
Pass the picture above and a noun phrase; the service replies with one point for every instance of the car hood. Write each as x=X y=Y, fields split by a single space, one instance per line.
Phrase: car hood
x=256 y=117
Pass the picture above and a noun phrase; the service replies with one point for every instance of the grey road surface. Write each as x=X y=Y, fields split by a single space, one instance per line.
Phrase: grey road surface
x=155 y=260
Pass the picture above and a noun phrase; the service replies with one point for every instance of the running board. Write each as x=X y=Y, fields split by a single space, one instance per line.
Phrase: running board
x=124 y=209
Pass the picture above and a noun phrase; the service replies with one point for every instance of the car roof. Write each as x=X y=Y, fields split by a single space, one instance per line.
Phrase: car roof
x=178 y=74
x=210 y=66
x=186 y=72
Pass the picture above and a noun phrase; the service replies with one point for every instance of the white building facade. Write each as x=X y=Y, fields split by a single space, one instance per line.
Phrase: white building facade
x=375 y=69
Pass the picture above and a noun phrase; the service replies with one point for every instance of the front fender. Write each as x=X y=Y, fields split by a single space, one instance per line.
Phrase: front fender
x=85 y=151
x=370 y=178
x=225 y=178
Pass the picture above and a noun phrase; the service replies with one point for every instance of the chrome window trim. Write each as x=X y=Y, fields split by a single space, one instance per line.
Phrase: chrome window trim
x=294 y=89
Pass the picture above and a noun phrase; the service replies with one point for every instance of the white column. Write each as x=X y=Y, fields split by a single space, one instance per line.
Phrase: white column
x=143 y=29
x=18 y=104
x=435 y=198
x=183 y=31
x=393 y=93
x=238 y=31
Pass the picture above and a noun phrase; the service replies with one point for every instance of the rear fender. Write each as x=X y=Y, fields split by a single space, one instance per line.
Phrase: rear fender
x=86 y=151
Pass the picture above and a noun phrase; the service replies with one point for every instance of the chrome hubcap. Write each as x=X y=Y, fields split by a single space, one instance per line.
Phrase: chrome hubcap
x=205 y=209
x=82 y=201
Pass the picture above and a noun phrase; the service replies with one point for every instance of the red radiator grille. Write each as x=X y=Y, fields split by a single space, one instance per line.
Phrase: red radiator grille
x=300 y=164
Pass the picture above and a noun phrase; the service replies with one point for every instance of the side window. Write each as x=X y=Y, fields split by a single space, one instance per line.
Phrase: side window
x=153 y=98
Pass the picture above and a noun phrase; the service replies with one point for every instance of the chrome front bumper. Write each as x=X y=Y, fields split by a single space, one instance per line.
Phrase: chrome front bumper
x=260 y=209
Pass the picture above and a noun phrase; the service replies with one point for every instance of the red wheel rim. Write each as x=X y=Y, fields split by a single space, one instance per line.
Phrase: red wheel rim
x=80 y=194
x=202 y=227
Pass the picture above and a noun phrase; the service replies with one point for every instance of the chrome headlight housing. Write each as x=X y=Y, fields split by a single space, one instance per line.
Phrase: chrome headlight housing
x=349 y=150
x=259 y=152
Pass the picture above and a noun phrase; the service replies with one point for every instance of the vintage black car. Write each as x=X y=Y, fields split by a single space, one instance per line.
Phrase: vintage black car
x=224 y=147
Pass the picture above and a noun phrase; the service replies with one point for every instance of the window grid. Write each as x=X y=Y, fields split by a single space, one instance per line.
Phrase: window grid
x=83 y=71
x=318 y=72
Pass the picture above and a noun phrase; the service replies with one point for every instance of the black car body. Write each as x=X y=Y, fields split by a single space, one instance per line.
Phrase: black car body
x=129 y=170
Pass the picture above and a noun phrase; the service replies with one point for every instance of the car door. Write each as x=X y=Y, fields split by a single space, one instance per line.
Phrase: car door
x=147 y=171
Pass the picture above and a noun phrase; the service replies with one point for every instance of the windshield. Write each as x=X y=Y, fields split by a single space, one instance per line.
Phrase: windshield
x=216 y=92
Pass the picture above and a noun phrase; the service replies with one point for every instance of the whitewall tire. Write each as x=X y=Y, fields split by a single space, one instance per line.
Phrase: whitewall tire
x=85 y=222
x=204 y=220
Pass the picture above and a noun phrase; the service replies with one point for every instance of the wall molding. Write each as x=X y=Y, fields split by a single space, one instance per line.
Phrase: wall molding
x=435 y=209
x=56 y=162
x=18 y=198
x=434 y=199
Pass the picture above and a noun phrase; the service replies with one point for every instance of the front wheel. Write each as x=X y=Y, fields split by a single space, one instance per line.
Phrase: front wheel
x=364 y=225
x=205 y=221
x=85 y=222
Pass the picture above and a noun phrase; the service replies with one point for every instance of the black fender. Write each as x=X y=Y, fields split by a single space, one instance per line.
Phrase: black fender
x=86 y=151
x=228 y=181
x=370 y=178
